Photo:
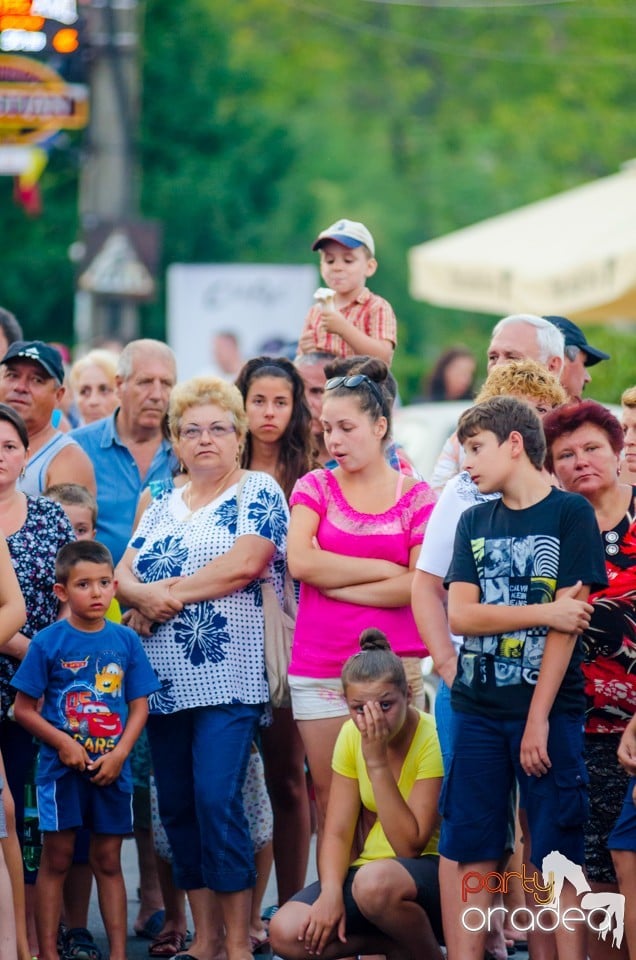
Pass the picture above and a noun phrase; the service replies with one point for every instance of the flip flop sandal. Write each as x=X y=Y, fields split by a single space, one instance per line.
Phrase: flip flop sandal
x=152 y=926
x=167 y=945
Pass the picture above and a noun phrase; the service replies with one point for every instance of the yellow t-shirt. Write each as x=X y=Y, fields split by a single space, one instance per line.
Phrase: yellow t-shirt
x=423 y=760
x=114 y=611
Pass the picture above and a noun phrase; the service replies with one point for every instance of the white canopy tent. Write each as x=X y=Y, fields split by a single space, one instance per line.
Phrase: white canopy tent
x=573 y=254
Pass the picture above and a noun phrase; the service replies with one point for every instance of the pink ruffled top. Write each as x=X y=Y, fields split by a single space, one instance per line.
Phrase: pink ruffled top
x=328 y=631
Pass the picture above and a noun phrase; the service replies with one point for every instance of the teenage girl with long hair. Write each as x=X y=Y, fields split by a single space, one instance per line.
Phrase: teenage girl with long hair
x=279 y=442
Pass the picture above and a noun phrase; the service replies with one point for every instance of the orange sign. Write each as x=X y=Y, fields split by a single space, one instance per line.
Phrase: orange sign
x=19 y=21
x=12 y=8
x=35 y=102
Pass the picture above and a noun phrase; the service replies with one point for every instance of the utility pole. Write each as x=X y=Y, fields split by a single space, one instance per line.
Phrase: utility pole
x=109 y=180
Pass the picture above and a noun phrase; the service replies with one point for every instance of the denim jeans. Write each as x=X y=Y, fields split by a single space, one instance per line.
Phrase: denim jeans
x=200 y=758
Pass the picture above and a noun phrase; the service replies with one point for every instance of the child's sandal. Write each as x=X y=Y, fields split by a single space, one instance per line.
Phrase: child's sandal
x=79 y=945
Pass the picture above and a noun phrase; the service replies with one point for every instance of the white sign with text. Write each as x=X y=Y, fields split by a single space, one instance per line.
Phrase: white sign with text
x=258 y=303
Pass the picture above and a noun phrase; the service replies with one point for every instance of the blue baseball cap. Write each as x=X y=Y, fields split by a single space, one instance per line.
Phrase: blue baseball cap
x=574 y=337
x=48 y=357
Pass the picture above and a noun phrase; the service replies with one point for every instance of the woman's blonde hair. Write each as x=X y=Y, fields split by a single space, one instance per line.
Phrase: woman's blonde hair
x=523 y=378
x=104 y=359
x=201 y=390
x=628 y=399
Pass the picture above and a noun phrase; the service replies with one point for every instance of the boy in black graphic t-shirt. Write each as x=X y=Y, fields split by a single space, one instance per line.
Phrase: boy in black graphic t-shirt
x=518 y=583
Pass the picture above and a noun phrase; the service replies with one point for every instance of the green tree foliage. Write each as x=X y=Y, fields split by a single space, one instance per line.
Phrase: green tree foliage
x=36 y=278
x=265 y=120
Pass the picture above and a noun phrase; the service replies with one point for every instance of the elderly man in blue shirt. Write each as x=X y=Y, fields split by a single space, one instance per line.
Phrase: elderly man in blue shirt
x=129 y=449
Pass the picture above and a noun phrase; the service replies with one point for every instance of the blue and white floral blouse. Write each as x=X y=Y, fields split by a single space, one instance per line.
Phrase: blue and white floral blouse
x=211 y=652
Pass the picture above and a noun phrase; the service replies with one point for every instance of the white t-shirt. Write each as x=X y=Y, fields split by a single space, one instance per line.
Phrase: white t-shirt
x=437 y=548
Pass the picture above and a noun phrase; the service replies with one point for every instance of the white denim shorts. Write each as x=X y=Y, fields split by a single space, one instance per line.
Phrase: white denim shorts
x=317 y=698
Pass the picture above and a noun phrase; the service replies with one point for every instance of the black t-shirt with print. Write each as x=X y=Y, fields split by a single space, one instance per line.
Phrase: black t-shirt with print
x=519 y=557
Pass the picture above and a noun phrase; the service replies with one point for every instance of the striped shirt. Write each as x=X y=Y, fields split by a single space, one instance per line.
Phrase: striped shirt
x=368 y=312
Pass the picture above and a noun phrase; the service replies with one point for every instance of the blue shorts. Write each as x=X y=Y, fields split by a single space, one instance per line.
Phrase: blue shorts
x=74 y=801
x=445 y=721
x=623 y=836
x=476 y=791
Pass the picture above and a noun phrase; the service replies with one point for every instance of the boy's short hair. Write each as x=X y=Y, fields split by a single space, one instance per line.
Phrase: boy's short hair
x=502 y=415
x=80 y=551
x=73 y=495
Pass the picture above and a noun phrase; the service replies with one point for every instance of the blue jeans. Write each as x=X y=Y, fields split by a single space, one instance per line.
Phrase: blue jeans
x=200 y=758
x=445 y=721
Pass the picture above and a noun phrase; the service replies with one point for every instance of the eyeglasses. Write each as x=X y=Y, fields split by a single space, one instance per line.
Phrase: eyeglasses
x=355 y=381
x=216 y=430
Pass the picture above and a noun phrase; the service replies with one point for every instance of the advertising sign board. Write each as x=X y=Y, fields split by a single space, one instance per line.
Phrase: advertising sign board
x=258 y=303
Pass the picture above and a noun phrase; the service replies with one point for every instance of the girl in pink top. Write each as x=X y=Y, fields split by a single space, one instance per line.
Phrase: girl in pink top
x=353 y=541
x=279 y=442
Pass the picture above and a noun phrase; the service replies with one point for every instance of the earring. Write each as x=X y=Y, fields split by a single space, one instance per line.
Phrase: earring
x=22 y=473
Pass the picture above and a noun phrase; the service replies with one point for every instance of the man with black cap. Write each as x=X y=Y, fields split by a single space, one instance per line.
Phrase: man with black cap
x=578 y=356
x=32 y=382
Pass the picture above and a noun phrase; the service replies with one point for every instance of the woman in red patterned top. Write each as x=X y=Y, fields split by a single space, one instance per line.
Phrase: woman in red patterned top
x=584 y=447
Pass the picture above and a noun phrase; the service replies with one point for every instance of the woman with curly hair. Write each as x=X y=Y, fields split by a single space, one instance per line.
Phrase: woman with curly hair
x=279 y=442
x=193 y=573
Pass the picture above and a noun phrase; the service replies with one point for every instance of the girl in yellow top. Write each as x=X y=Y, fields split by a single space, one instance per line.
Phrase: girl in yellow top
x=387 y=765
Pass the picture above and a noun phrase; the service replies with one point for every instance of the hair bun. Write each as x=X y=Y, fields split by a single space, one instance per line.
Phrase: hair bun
x=372 y=367
x=374 y=639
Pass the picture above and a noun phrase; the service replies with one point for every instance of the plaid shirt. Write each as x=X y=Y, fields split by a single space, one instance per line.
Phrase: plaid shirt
x=368 y=312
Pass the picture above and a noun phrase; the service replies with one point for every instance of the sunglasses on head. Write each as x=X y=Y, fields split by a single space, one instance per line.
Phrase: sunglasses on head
x=356 y=380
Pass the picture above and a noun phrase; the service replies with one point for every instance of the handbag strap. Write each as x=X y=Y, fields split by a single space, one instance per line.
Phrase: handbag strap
x=239 y=491
x=288 y=585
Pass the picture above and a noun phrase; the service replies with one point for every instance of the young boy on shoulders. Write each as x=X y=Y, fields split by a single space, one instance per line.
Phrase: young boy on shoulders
x=518 y=695
x=94 y=678
x=348 y=319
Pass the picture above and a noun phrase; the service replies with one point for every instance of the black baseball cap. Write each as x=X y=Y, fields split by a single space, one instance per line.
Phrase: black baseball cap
x=574 y=337
x=48 y=357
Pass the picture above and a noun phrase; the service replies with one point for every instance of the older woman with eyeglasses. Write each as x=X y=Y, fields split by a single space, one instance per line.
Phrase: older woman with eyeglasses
x=192 y=572
x=354 y=538
x=584 y=449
